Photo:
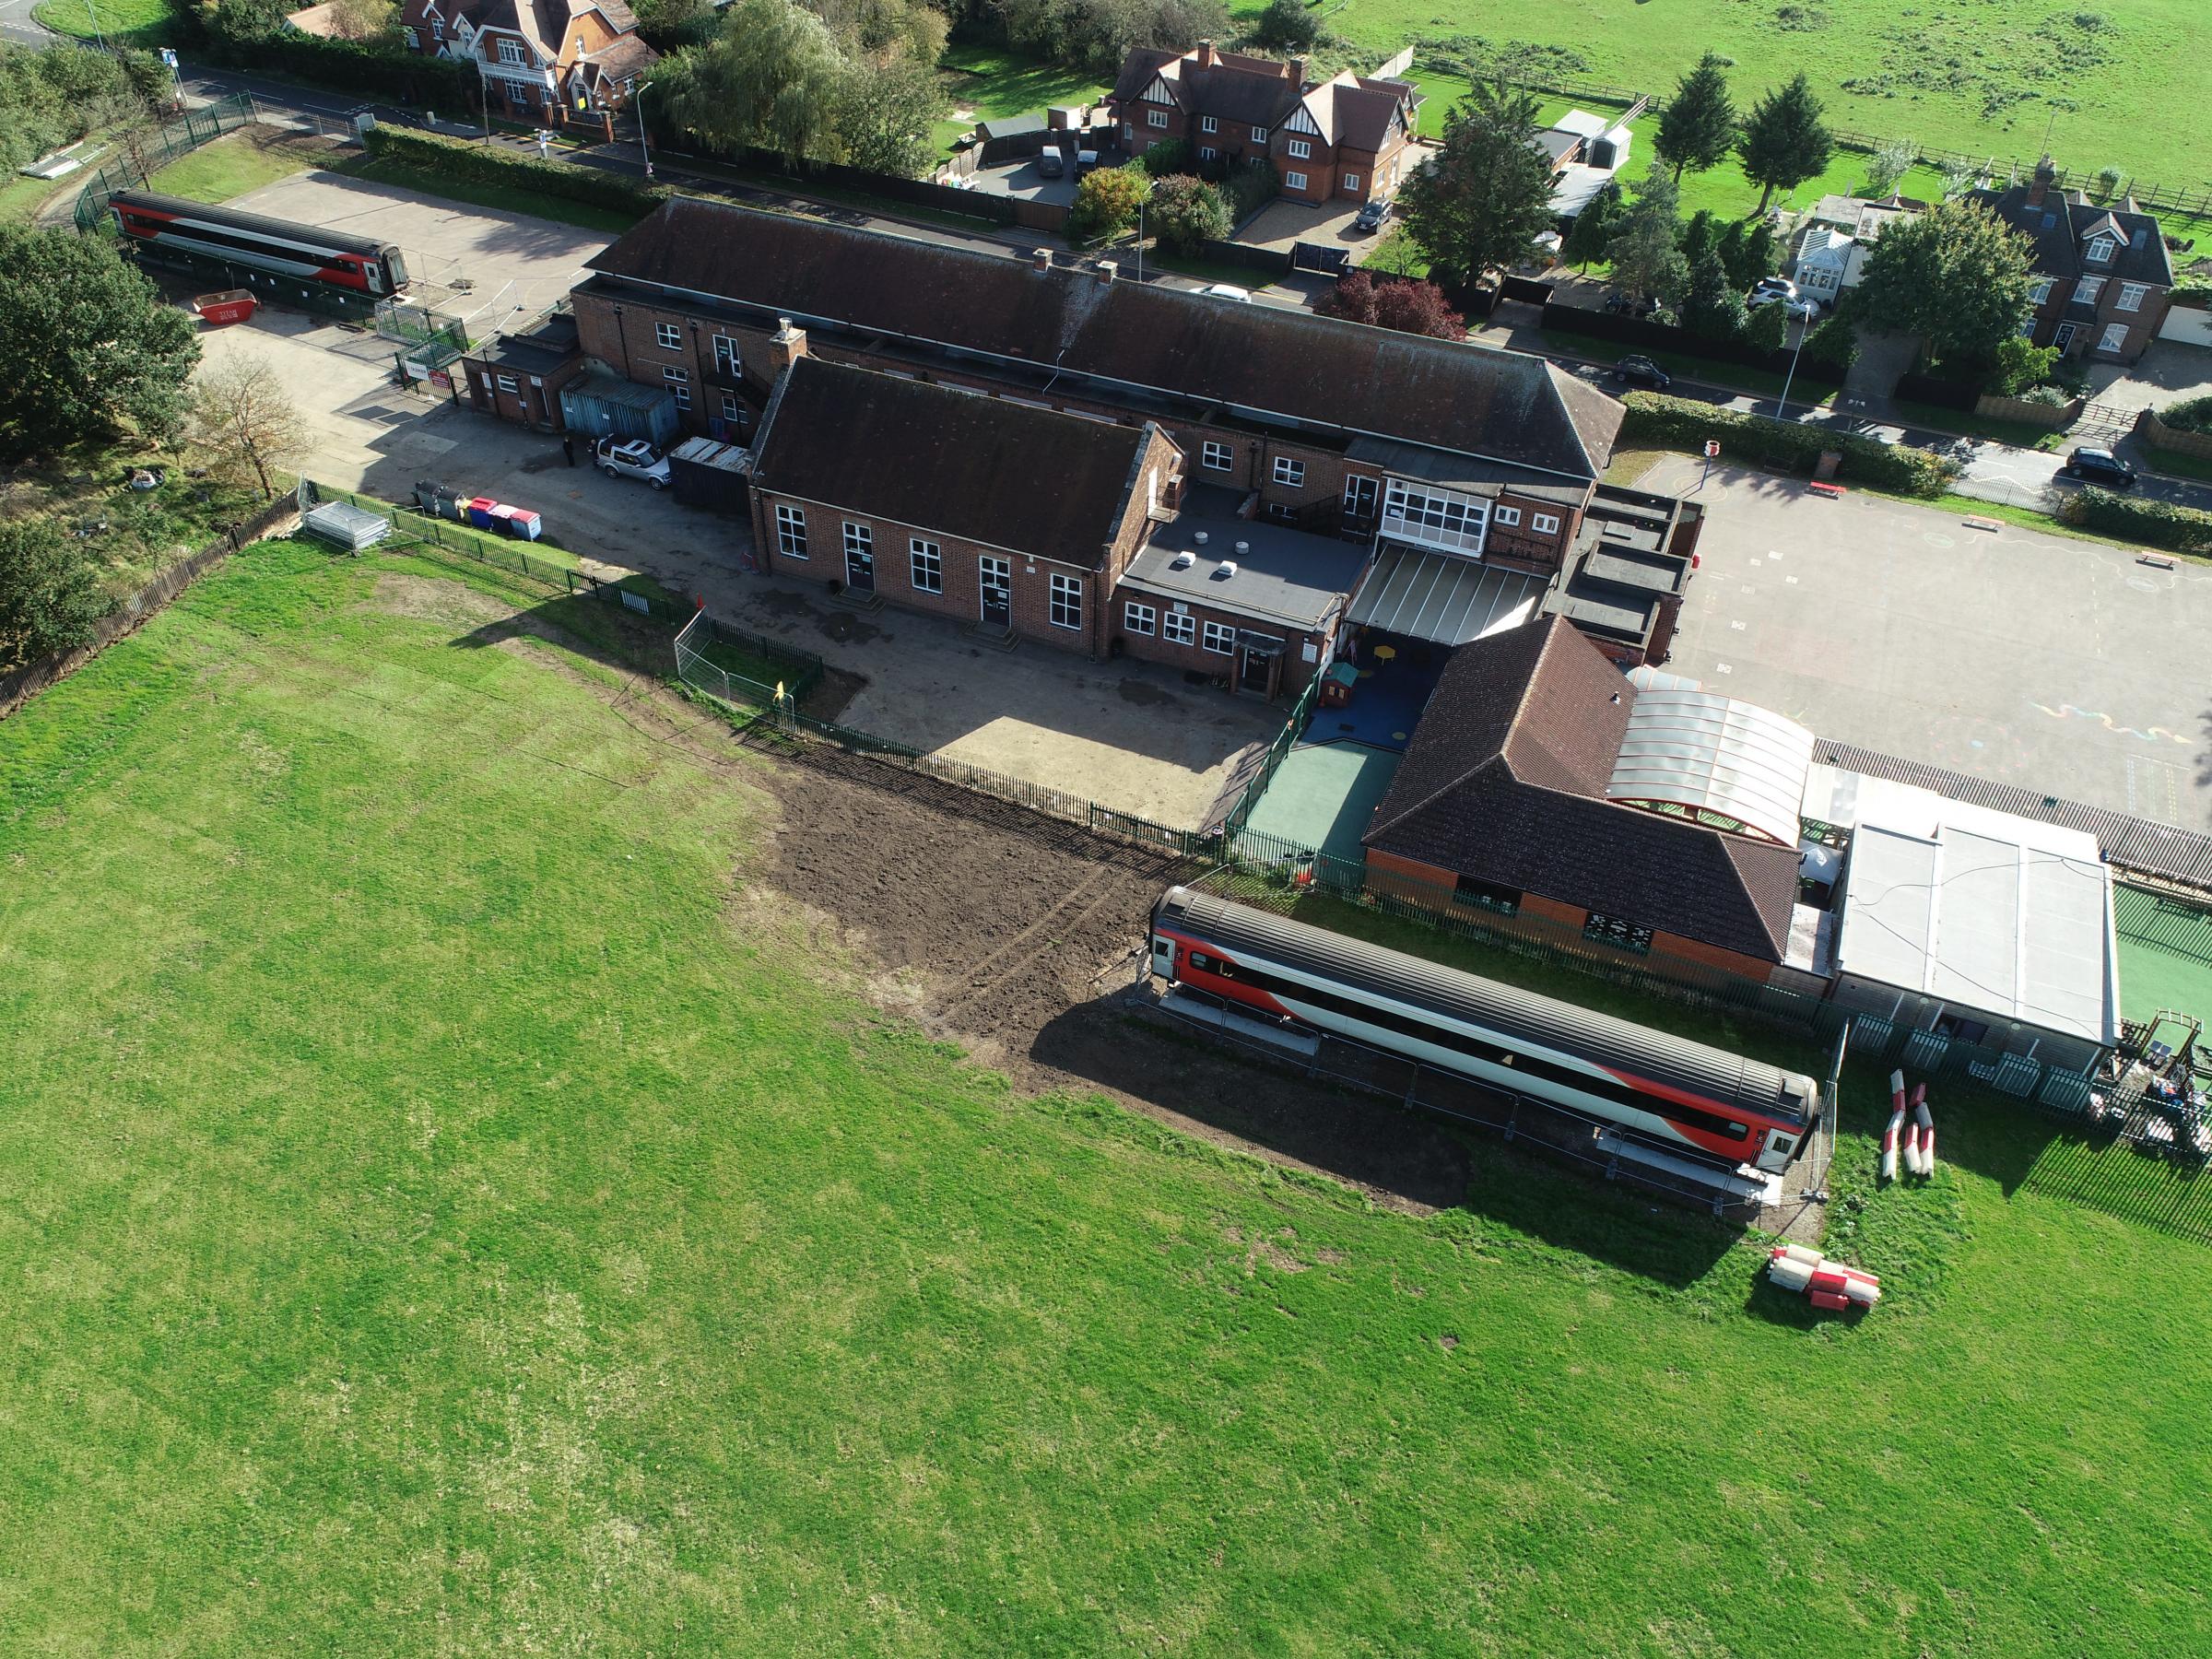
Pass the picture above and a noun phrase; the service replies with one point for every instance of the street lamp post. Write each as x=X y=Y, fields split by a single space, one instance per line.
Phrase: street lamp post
x=637 y=108
x=1140 y=240
x=1781 y=408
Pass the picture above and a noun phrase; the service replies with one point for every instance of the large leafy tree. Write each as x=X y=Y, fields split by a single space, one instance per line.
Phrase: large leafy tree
x=1956 y=276
x=50 y=595
x=1698 y=127
x=1646 y=252
x=1786 y=141
x=1184 y=212
x=1416 y=307
x=885 y=108
x=244 y=419
x=1486 y=195
x=772 y=78
x=1713 y=310
x=89 y=347
x=1106 y=202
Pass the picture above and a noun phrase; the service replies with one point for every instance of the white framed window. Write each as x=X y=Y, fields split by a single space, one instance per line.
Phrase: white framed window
x=2043 y=285
x=1294 y=181
x=1505 y=518
x=790 y=532
x=1137 y=619
x=1288 y=473
x=1220 y=639
x=1352 y=180
x=2101 y=251
x=860 y=541
x=1156 y=118
x=729 y=407
x=2131 y=296
x=1436 y=518
x=511 y=51
x=1298 y=149
x=678 y=382
x=509 y=383
x=1216 y=457
x=2115 y=337
x=1207 y=152
x=1178 y=628
x=726 y=355
x=1065 y=609
x=1259 y=134
x=1206 y=123
x=2086 y=290
x=929 y=568
x=670 y=336
x=414 y=40
x=1545 y=524
x=437 y=31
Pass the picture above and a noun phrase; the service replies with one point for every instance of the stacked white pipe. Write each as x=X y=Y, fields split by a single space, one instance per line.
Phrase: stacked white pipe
x=1828 y=1285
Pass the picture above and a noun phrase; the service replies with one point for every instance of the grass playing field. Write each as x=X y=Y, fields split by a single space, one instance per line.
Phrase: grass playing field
x=455 y=1205
x=2107 y=82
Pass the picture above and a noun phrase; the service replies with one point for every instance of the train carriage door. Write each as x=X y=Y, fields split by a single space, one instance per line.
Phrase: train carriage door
x=374 y=273
x=1163 y=955
x=1781 y=1143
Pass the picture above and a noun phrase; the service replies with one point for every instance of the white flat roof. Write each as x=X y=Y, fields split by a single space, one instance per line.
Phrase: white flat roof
x=1581 y=123
x=1978 y=909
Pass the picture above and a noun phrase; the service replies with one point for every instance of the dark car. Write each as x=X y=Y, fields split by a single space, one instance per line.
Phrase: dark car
x=2099 y=466
x=1050 y=163
x=1372 y=215
x=1642 y=371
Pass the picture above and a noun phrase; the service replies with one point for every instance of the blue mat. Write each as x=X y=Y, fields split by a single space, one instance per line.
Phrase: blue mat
x=1386 y=703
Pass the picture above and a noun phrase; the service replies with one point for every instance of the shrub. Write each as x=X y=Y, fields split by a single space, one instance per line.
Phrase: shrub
x=1417 y=308
x=1834 y=341
x=1286 y=26
x=1248 y=189
x=1657 y=422
x=2051 y=397
x=1185 y=213
x=2194 y=416
x=2021 y=364
x=1174 y=156
x=460 y=159
x=2140 y=520
x=50 y=593
x=1769 y=329
x=1106 y=202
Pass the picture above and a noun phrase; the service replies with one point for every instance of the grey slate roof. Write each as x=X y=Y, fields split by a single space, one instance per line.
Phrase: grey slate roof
x=1335 y=376
x=956 y=462
x=1283 y=576
x=1505 y=781
x=2060 y=229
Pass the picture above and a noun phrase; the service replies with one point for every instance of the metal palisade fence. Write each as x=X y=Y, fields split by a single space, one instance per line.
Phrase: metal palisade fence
x=1277 y=751
x=178 y=137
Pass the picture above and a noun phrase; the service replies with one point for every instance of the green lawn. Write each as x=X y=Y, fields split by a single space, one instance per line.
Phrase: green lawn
x=453 y=1211
x=991 y=81
x=237 y=163
x=1984 y=79
x=119 y=22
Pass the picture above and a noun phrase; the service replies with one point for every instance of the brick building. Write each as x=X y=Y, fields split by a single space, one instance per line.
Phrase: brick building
x=1017 y=520
x=1536 y=785
x=546 y=61
x=1343 y=139
x=519 y=377
x=2103 y=277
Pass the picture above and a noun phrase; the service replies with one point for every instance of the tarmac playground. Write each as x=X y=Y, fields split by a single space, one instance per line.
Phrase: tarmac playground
x=1327 y=788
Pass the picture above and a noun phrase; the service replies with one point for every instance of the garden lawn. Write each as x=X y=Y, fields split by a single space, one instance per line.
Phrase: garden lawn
x=456 y=1206
x=238 y=162
x=1981 y=78
x=994 y=82
x=507 y=198
x=119 y=22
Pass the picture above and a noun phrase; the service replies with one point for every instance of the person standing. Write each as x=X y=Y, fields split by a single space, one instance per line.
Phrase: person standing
x=567 y=447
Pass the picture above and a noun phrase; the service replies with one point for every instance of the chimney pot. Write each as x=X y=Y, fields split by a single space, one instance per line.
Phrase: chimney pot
x=1043 y=259
x=1108 y=270
x=1200 y=538
x=1243 y=548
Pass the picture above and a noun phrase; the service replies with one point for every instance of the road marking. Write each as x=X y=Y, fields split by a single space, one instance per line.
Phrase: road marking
x=1737 y=625
x=1749 y=589
x=1724 y=668
x=1791 y=579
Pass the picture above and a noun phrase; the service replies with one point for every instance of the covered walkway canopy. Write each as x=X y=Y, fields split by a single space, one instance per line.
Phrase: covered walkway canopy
x=1442 y=599
x=1729 y=764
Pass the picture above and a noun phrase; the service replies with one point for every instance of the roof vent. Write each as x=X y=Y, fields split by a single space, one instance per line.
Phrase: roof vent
x=1227 y=568
x=1200 y=538
x=1181 y=561
x=1243 y=548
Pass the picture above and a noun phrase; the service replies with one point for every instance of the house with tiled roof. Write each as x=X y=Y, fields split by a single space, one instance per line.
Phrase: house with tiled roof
x=1537 y=785
x=548 y=62
x=1344 y=139
x=2103 y=275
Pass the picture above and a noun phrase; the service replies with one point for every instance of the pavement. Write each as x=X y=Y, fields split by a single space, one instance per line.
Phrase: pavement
x=2044 y=662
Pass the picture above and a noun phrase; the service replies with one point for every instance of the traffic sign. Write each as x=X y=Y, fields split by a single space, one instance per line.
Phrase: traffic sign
x=1713 y=449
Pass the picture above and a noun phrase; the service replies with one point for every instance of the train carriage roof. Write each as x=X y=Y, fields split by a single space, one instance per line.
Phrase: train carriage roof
x=1654 y=1056
x=229 y=218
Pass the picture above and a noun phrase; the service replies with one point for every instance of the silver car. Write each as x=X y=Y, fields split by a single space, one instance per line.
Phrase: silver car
x=631 y=458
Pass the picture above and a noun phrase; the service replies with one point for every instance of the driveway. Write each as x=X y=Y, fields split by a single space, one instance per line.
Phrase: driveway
x=2170 y=373
x=1024 y=182
x=1282 y=225
x=2050 y=664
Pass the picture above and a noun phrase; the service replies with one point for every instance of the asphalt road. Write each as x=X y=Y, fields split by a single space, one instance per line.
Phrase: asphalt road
x=17 y=24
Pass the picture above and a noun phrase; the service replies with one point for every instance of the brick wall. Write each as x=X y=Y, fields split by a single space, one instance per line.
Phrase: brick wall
x=534 y=403
x=1290 y=679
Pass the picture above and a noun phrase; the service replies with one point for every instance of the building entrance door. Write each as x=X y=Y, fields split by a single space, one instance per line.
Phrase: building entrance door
x=860 y=569
x=998 y=591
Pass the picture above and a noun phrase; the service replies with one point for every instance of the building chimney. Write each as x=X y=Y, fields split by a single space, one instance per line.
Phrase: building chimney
x=785 y=346
x=2045 y=175
x=1206 y=54
x=1297 y=66
x=1108 y=270
x=1043 y=259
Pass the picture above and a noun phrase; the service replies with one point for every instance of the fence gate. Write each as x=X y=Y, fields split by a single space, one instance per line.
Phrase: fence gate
x=1320 y=257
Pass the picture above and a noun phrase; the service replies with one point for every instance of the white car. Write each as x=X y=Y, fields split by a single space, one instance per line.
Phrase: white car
x=632 y=458
x=1768 y=291
x=1227 y=290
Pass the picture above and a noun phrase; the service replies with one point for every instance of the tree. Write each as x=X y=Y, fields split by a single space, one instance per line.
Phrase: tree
x=1768 y=329
x=1286 y=25
x=1486 y=195
x=246 y=421
x=89 y=344
x=1698 y=129
x=1594 y=227
x=1749 y=252
x=1699 y=236
x=772 y=78
x=1886 y=168
x=1645 y=255
x=1106 y=202
x=1784 y=143
x=50 y=593
x=2022 y=366
x=1956 y=276
x=364 y=20
x=1415 y=308
x=1184 y=212
x=885 y=109
x=1713 y=309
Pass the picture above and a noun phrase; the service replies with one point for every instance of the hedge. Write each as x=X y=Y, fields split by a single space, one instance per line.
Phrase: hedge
x=2140 y=520
x=365 y=71
x=488 y=164
x=1660 y=422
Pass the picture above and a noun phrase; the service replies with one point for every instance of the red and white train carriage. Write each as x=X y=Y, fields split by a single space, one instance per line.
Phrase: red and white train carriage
x=360 y=265
x=1682 y=1096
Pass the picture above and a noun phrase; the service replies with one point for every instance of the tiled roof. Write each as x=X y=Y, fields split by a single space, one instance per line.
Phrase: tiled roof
x=1505 y=779
x=1347 y=112
x=1339 y=377
x=958 y=462
x=2059 y=227
x=1255 y=91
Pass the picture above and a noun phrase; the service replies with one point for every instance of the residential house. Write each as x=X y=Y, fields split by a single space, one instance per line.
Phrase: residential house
x=2103 y=275
x=548 y=62
x=1343 y=140
x=1542 y=782
x=1834 y=236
